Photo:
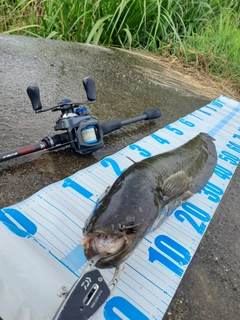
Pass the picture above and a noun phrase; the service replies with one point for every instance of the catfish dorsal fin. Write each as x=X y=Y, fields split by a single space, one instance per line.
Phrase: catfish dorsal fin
x=176 y=184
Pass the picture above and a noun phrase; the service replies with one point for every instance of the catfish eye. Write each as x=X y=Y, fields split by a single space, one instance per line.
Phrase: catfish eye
x=130 y=220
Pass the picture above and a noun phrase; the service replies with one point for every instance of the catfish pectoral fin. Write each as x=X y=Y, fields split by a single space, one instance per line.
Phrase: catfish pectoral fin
x=176 y=185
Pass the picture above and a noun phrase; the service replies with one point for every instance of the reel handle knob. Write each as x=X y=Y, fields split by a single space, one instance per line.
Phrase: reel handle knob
x=89 y=86
x=34 y=95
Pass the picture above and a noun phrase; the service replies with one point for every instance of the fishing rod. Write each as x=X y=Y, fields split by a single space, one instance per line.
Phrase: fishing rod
x=83 y=133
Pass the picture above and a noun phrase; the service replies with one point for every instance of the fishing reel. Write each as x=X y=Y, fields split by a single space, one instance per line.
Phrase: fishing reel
x=83 y=133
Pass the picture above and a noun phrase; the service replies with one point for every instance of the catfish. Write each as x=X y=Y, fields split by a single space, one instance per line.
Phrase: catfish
x=142 y=198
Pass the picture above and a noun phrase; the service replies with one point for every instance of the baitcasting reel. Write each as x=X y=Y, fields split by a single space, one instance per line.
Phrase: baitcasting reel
x=83 y=133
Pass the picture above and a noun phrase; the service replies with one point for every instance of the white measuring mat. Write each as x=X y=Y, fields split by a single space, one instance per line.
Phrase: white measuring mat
x=40 y=236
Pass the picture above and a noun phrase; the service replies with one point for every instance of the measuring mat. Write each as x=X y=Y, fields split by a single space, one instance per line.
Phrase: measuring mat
x=40 y=236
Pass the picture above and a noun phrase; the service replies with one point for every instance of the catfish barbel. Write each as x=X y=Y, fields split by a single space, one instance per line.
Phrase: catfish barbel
x=143 y=196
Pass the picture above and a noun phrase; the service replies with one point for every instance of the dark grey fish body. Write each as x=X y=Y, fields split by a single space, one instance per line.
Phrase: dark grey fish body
x=144 y=196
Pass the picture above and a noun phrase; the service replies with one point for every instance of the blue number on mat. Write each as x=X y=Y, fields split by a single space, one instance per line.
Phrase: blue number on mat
x=125 y=307
x=212 y=191
x=109 y=161
x=217 y=103
x=196 y=212
x=68 y=182
x=175 y=130
x=228 y=157
x=222 y=172
x=187 y=123
x=234 y=146
x=159 y=139
x=142 y=152
x=172 y=249
x=29 y=227
x=236 y=136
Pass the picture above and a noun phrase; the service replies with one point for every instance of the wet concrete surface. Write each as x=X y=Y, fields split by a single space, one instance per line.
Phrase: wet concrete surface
x=127 y=85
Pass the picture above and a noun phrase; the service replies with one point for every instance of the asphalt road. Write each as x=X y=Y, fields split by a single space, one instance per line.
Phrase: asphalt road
x=127 y=85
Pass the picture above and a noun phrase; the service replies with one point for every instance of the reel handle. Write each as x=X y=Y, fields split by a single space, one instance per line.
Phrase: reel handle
x=89 y=86
x=34 y=95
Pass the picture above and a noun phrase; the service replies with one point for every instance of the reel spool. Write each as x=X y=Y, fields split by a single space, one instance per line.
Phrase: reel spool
x=89 y=135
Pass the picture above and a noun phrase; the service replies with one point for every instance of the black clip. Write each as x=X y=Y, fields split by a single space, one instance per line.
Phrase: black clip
x=87 y=294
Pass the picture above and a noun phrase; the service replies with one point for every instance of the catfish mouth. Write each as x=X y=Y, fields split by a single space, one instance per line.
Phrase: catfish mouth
x=107 y=245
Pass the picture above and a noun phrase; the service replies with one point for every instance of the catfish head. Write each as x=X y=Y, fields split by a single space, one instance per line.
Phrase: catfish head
x=122 y=218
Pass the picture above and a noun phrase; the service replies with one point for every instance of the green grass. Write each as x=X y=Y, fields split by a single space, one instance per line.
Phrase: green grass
x=203 y=33
x=216 y=48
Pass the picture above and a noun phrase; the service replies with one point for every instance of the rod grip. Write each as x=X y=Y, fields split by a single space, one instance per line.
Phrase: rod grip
x=153 y=113
x=110 y=126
